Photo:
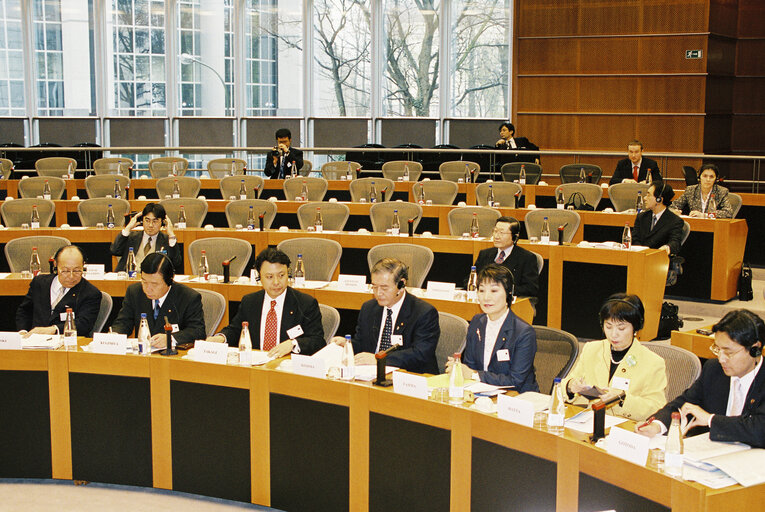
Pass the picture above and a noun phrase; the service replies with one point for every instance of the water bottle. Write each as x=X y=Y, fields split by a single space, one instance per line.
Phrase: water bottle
x=349 y=172
x=318 y=223
x=545 y=235
x=582 y=175
x=522 y=175
x=173 y=168
x=70 y=171
x=110 y=217
x=395 y=227
x=639 y=202
x=406 y=172
x=490 y=197
x=131 y=266
x=35 y=222
x=348 y=368
x=472 y=285
x=372 y=193
x=712 y=207
x=304 y=191
x=117 y=190
x=673 y=452
x=299 y=272
x=251 y=218
x=181 y=224
x=34 y=262
x=203 y=269
x=46 y=190
x=144 y=336
x=559 y=201
x=176 y=190
x=421 y=199
x=245 y=346
x=243 y=191
x=474 y=226
x=557 y=413
x=467 y=174
x=70 y=331
x=456 y=382
x=626 y=237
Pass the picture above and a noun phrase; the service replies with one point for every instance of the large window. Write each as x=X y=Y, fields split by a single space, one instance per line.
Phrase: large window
x=11 y=59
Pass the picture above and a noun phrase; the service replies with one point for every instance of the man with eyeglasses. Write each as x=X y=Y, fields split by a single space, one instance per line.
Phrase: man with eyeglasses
x=728 y=399
x=150 y=240
x=43 y=310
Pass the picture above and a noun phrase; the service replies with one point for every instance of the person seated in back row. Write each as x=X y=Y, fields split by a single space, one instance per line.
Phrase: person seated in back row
x=148 y=241
x=283 y=160
x=635 y=168
x=657 y=226
x=508 y=140
x=696 y=199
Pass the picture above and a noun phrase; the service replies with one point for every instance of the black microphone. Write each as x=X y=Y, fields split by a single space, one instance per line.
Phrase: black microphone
x=381 y=357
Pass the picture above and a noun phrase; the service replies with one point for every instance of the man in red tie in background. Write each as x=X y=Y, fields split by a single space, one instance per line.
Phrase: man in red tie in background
x=635 y=168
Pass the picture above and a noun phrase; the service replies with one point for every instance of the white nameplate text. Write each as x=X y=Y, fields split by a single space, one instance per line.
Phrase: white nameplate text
x=210 y=352
x=10 y=341
x=628 y=445
x=411 y=385
x=351 y=282
x=309 y=366
x=440 y=290
x=515 y=410
x=109 y=343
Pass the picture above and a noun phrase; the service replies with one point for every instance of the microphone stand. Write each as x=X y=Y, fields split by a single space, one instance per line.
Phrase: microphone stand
x=599 y=413
x=380 y=357
x=169 y=350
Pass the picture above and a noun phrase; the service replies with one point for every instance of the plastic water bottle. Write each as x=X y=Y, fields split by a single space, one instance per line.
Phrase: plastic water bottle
x=245 y=346
x=559 y=201
x=522 y=175
x=110 y=217
x=117 y=190
x=472 y=285
x=34 y=262
x=203 y=270
x=456 y=382
x=242 y=190
x=406 y=172
x=582 y=176
x=299 y=272
x=474 y=226
x=673 y=452
x=130 y=266
x=373 y=193
x=639 y=202
x=70 y=331
x=626 y=237
x=349 y=172
x=490 y=197
x=348 y=369
x=395 y=227
x=46 y=190
x=557 y=413
x=251 y=218
x=304 y=191
x=545 y=234
x=181 y=224
x=144 y=336
x=467 y=174
x=318 y=222
x=421 y=199
x=176 y=187
x=35 y=221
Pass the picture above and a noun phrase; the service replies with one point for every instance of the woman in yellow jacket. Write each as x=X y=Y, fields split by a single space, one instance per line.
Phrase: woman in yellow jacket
x=620 y=361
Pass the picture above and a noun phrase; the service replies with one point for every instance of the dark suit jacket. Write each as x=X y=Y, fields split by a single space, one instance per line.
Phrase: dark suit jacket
x=710 y=392
x=515 y=336
x=624 y=170
x=295 y=157
x=417 y=323
x=523 y=145
x=691 y=200
x=667 y=231
x=299 y=309
x=183 y=306
x=120 y=247
x=35 y=310
x=523 y=265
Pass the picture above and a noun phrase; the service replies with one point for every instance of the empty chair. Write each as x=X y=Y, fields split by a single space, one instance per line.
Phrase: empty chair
x=683 y=367
x=592 y=193
x=512 y=172
x=237 y=212
x=307 y=167
x=571 y=173
x=381 y=215
x=104 y=310
x=232 y=186
x=395 y=169
x=556 y=353
x=505 y=193
x=624 y=195
x=453 y=334
x=213 y=306
x=333 y=215
x=438 y=191
x=293 y=188
x=19 y=211
x=459 y=169
x=334 y=170
x=686 y=232
x=55 y=166
x=188 y=186
x=103 y=185
x=461 y=218
x=6 y=168
x=219 y=249
x=691 y=175
x=320 y=256
x=164 y=166
x=94 y=210
x=33 y=187
x=555 y=217
x=361 y=188
x=196 y=210
x=330 y=321
x=417 y=258
x=116 y=165
x=735 y=201
x=19 y=250
x=222 y=167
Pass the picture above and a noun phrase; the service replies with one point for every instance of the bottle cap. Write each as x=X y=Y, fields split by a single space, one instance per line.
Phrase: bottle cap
x=676 y=416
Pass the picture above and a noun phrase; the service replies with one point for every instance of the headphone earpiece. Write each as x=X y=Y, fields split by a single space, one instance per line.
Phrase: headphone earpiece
x=400 y=285
x=755 y=351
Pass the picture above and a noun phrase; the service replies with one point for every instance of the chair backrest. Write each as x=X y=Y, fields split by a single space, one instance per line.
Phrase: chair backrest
x=334 y=170
x=395 y=169
x=92 y=211
x=320 y=256
x=361 y=187
x=196 y=210
x=555 y=218
x=232 y=185
x=213 y=306
x=102 y=185
x=307 y=167
x=333 y=215
x=592 y=193
x=691 y=175
x=381 y=215
x=686 y=232
x=453 y=334
x=461 y=218
x=237 y=212
x=33 y=187
x=55 y=166
x=505 y=193
x=6 y=166
x=624 y=195
x=735 y=203
x=222 y=167
x=114 y=165
x=540 y=262
x=417 y=258
x=104 y=310
x=163 y=166
x=571 y=173
x=456 y=169
x=330 y=321
x=511 y=172
x=556 y=352
x=219 y=249
x=438 y=191
x=317 y=188
x=19 y=211
x=189 y=186
x=19 y=250
x=683 y=367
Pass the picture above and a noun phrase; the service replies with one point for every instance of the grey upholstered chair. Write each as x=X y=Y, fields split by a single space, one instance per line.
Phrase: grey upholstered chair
x=330 y=321
x=222 y=167
x=540 y=262
x=19 y=250
x=317 y=188
x=92 y=211
x=320 y=256
x=33 y=187
x=453 y=334
x=237 y=212
x=461 y=218
x=55 y=166
x=114 y=165
x=104 y=310
x=232 y=185
x=438 y=191
x=418 y=258
x=456 y=169
x=381 y=215
x=219 y=249
x=592 y=193
x=395 y=169
x=213 y=306
x=334 y=170
x=165 y=166
x=361 y=187
x=555 y=218
x=19 y=211
x=102 y=185
x=557 y=351
x=624 y=195
x=512 y=172
x=189 y=186
x=307 y=168
x=686 y=232
x=6 y=168
x=571 y=173
x=735 y=202
x=683 y=367
x=505 y=193
x=196 y=210
x=333 y=215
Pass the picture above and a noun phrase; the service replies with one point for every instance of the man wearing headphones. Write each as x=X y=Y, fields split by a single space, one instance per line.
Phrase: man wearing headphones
x=150 y=240
x=728 y=399
x=43 y=310
x=395 y=317
x=159 y=296
x=657 y=226
x=522 y=263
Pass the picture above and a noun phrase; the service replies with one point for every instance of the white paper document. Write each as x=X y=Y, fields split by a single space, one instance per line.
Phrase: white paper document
x=583 y=422
x=332 y=354
x=540 y=400
x=700 y=448
x=746 y=467
x=42 y=342
x=483 y=389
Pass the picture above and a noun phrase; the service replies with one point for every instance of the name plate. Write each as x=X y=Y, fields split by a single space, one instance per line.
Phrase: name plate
x=10 y=341
x=210 y=352
x=309 y=366
x=94 y=271
x=351 y=282
x=515 y=410
x=439 y=290
x=109 y=343
x=627 y=445
x=410 y=385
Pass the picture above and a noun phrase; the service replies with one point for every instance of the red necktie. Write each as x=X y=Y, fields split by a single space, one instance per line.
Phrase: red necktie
x=269 y=336
x=635 y=173
x=500 y=257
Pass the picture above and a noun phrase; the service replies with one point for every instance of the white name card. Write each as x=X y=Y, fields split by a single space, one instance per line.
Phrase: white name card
x=410 y=385
x=210 y=352
x=309 y=366
x=109 y=343
x=95 y=271
x=439 y=290
x=628 y=445
x=351 y=282
x=10 y=341
x=515 y=410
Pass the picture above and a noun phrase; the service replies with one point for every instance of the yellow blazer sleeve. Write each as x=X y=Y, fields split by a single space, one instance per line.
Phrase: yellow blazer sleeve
x=648 y=382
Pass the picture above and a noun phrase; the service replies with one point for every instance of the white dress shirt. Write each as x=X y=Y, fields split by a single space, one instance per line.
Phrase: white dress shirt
x=492 y=333
x=279 y=308
x=394 y=316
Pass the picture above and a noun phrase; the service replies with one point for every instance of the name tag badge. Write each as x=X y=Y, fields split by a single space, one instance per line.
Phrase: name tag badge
x=295 y=332
x=620 y=383
x=62 y=316
x=396 y=339
x=175 y=327
x=503 y=355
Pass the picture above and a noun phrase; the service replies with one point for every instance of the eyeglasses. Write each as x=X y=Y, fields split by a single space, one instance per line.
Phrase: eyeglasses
x=719 y=352
x=151 y=221
x=70 y=273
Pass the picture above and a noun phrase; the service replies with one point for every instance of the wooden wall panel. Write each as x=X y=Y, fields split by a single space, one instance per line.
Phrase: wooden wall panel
x=720 y=94
x=749 y=134
x=605 y=132
x=721 y=55
x=609 y=55
x=547 y=17
x=750 y=16
x=667 y=54
x=718 y=130
x=723 y=17
x=675 y=94
x=671 y=133
x=608 y=94
x=663 y=17
x=549 y=131
x=548 y=93
x=750 y=59
x=748 y=94
x=559 y=56
x=609 y=18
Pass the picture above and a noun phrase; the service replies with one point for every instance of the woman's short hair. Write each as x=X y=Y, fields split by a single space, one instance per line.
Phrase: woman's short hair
x=625 y=308
x=742 y=326
x=271 y=255
x=711 y=167
x=159 y=262
x=493 y=273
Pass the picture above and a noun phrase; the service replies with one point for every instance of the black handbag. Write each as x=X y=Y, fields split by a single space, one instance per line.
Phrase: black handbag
x=669 y=320
x=578 y=202
x=745 y=283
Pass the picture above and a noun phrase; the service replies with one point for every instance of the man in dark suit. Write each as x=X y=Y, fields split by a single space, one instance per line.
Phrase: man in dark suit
x=507 y=140
x=728 y=399
x=296 y=314
x=159 y=296
x=634 y=169
x=395 y=317
x=43 y=310
x=520 y=262
x=150 y=240
x=284 y=158
x=658 y=227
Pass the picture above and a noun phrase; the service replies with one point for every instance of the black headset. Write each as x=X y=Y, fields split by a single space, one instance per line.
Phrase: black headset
x=401 y=276
x=754 y=350
x=634 y=307
x=660 y=198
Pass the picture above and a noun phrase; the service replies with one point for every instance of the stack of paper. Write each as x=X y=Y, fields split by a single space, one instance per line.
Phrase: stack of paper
x=42 y=342
x=737 y=460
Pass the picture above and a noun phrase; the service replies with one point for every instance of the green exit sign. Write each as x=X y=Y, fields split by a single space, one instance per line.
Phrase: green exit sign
x=693 y=54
